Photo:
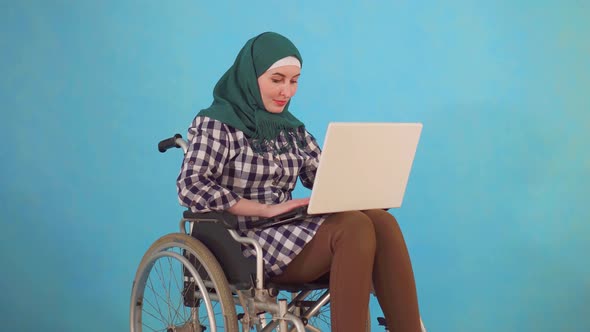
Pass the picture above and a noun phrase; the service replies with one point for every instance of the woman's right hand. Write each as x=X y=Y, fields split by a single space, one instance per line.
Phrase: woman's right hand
x=245 y=207
x=277 y=209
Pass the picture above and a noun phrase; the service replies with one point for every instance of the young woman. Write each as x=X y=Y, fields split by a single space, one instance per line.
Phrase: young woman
x=246 y=152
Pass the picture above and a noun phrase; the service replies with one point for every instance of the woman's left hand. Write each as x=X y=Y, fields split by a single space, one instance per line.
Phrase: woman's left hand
x=277 y=209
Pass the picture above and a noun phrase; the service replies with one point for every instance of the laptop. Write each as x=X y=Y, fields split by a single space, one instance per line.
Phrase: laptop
x=363 y=166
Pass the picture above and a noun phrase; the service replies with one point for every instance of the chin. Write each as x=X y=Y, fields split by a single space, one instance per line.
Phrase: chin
x=276 y=110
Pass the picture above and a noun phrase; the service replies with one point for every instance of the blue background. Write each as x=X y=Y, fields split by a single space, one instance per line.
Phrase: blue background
x=494 y=212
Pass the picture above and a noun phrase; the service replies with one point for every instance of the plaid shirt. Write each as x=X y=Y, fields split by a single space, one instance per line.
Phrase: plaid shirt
x=220 y=167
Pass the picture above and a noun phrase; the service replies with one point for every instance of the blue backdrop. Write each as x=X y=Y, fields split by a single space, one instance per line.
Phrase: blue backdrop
x=493 y=214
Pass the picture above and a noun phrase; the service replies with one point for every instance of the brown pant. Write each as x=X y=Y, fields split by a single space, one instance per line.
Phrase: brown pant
x=357 y=249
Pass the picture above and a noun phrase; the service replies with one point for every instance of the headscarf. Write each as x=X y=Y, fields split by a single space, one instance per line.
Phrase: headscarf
x=237 y=101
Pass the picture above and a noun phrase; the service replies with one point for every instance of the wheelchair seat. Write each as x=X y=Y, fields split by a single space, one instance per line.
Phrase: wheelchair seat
x=212 y=230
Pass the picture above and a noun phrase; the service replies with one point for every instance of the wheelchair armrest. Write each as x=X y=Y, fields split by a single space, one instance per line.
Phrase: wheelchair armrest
x=226 y=219
x=285 y=218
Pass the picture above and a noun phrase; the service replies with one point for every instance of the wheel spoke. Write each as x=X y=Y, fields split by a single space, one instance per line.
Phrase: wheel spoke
x=178 y=307
x=162 y=319
x=322 y=316
x=183 y=294
x=214 y=305
x=167 y=300
x=162 y=282
x=158 y=309
x=163 y=299
x=151 y=328
x=154 y=330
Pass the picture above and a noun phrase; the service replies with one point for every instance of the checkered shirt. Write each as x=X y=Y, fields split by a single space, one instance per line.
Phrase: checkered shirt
x=220 y=167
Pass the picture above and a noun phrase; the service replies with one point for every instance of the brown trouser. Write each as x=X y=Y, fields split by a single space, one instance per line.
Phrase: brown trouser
x=357 y=249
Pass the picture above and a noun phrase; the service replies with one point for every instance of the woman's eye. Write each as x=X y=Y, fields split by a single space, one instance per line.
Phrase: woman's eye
x=276 y=81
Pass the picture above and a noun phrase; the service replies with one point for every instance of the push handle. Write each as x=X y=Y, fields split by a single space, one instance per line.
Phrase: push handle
x=169 y=143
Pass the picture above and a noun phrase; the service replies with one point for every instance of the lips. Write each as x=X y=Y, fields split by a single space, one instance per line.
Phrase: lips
x=280 y=102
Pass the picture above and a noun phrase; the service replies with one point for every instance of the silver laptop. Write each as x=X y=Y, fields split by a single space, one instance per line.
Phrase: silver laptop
x=364 y=166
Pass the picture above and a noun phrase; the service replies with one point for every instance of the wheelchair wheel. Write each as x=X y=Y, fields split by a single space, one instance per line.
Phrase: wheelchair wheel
x=321 y=320
x=180 y=287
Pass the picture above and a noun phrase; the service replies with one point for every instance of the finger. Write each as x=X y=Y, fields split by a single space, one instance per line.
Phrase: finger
x=301 y=203
x=297 y=203
x=302 y=200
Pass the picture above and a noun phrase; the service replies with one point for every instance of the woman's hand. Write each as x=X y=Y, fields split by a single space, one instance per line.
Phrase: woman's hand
x=277 y=209
x=245 y=207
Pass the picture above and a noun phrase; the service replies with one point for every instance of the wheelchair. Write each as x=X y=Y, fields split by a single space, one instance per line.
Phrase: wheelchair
x=198 y=280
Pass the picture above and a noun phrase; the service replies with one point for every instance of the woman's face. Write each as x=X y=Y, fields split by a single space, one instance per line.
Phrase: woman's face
x=277 y=86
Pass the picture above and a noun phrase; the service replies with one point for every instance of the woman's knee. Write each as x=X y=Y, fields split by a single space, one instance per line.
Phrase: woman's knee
x=353 y=221
x=354 y=226
x=383 y=221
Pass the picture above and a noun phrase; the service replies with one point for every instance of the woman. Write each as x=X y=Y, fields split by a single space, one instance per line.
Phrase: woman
x=245 y=154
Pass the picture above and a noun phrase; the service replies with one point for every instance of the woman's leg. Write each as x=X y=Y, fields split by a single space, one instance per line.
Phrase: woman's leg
x=344 y=246
x=393 y=278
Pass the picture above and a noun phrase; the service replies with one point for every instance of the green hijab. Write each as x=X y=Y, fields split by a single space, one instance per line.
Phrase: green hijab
x=237 y=101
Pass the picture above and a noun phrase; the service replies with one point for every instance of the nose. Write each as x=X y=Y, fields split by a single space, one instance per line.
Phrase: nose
x=287 y=91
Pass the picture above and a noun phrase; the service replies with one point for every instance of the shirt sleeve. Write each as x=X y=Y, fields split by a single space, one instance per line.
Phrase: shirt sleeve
x=312 y=153
x=198 y=182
